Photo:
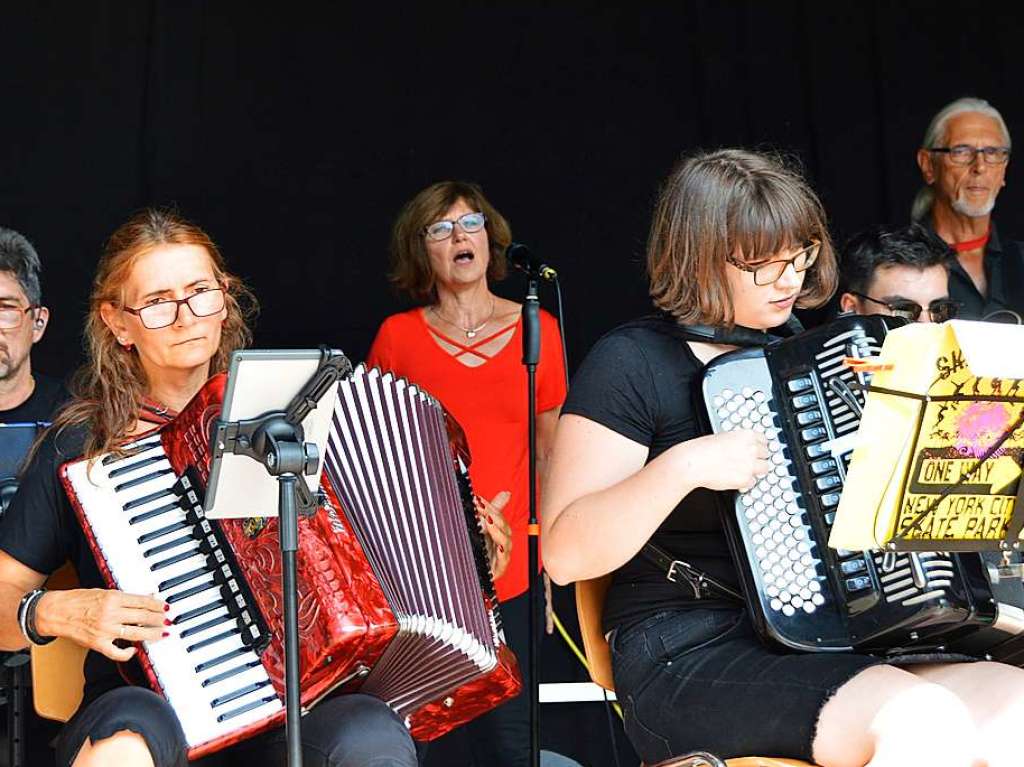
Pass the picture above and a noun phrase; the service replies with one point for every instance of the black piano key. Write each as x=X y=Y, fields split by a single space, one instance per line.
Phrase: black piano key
x=230 y=673
x=804 y=400
x=173 y=528
x=190 y=592
x=204 y=626
x=853 y=566
x=174 y=543
x=208 y=664
x=183 y=578
x=209 y=641
x=173 y=560
x=136 y=465
x=143 y=479
x=240 y=692
x=247 y=707
x=859 y=583
x=147 y=499
x=152 y=513
x=107 y=460
x=823 y=466
x=197 y=611
x=827 y=483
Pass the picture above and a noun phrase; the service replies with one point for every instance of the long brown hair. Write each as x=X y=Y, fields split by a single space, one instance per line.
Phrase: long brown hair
x=410 y=266
x=109 y=387
x=731 y=203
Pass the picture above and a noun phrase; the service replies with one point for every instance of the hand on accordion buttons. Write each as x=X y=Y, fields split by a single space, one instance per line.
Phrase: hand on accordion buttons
x=103 y=619
x=732 y=460
x=497 y=532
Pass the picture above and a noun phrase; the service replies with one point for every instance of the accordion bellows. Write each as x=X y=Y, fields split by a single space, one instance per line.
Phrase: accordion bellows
x=395 y=597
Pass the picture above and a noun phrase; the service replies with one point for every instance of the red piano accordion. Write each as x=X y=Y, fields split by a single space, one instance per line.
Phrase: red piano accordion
x=395 y=595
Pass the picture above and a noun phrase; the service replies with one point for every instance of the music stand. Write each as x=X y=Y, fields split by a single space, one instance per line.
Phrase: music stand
x=271 y=415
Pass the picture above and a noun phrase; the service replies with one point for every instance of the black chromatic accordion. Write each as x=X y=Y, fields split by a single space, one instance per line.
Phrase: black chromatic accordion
x=800 y=593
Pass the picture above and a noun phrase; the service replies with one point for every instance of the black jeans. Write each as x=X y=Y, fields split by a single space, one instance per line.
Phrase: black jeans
x=701 y=680
x=344 y=731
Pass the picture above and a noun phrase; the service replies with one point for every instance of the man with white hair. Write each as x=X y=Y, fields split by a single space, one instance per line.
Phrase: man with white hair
x=963 y=161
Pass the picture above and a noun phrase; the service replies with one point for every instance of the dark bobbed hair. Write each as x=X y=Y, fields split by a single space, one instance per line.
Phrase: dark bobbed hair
x=731 y=203
x=410 y=267
x=913 y=246
x=18 y=257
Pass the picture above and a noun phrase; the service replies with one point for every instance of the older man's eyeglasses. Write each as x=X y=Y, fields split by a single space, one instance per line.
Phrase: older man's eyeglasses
x=964 y=154
x=769 y=271
x=442 y=230
x=940 y=310
x=161 y=314
x=11 y=318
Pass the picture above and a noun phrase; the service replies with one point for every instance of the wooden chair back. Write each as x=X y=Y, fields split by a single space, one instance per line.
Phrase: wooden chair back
x=58 y=668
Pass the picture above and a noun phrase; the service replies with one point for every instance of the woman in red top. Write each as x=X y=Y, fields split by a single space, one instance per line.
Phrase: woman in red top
x=464 y=346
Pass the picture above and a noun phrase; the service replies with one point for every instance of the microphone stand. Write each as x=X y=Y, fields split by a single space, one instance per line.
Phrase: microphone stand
x=531 y=356
x=276 y=439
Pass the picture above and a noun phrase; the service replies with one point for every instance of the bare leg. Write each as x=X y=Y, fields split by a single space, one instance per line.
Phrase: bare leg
x=887 y=717
x=994 y=694
x=125 y=749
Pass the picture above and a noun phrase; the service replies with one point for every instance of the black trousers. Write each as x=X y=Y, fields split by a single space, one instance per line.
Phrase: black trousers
x=501 y=737
x=344 y=731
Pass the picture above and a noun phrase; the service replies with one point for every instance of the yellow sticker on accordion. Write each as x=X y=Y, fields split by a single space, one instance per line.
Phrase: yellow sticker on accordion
x=961 y=485
x=941 y=441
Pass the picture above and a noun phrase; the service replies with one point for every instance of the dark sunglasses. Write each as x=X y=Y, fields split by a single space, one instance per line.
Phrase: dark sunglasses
x=940 y=310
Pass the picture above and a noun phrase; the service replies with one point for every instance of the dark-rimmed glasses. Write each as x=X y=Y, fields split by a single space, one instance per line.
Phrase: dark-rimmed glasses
x=940 y=310
x=11 y=318
x=164 y=313
x=442 y=230
x=769 y=271
x=964 y=154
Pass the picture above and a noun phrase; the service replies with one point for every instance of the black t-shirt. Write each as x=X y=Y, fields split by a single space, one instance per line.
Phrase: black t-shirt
x=639 y=382
x=48 y=394
x=41 y=531
x=1004 y=274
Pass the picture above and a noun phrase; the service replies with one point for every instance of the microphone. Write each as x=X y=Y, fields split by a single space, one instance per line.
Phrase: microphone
x=521 y=257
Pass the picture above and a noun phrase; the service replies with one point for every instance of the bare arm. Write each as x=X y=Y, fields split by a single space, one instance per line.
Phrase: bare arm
x=16 y=580
x=547 y=422
x=93 y=618
x=602 y=503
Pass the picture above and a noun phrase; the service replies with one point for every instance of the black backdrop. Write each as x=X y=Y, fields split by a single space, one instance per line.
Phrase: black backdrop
x=293 y=133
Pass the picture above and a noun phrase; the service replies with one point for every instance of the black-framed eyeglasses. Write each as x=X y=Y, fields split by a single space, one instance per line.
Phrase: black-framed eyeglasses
x=940 y=310
x=442 y=230
x=964 y=154
x=768 y=272
x=11 y=318
x=163 y=313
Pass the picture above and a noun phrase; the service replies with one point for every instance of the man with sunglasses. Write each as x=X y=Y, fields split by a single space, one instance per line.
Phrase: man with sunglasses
x=903 y=272
x=963 y=161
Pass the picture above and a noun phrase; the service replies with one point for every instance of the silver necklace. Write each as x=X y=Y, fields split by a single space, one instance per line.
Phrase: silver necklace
x=470 y=332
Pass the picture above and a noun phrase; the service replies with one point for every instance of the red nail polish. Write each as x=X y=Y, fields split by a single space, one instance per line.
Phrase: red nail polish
x=500 y=547
x=490 y=521
x=167 y=622
x=167 y=608
x=167 y=633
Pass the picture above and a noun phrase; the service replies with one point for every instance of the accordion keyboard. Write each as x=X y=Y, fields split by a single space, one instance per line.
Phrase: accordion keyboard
x=150 y=526
x=807 y=402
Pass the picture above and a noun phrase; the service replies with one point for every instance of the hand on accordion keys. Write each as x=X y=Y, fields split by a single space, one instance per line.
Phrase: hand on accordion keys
x=730 y=460
x=497 y=533
x=100 y=619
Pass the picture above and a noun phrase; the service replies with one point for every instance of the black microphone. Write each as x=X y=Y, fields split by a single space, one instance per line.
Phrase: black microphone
x=521 y=257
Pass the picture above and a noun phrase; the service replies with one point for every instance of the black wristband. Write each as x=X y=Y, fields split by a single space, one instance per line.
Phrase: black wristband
x=31 y=602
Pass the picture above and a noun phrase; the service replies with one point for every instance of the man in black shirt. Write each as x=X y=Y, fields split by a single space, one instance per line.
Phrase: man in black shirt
x=963 y=161
x=26 y=399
